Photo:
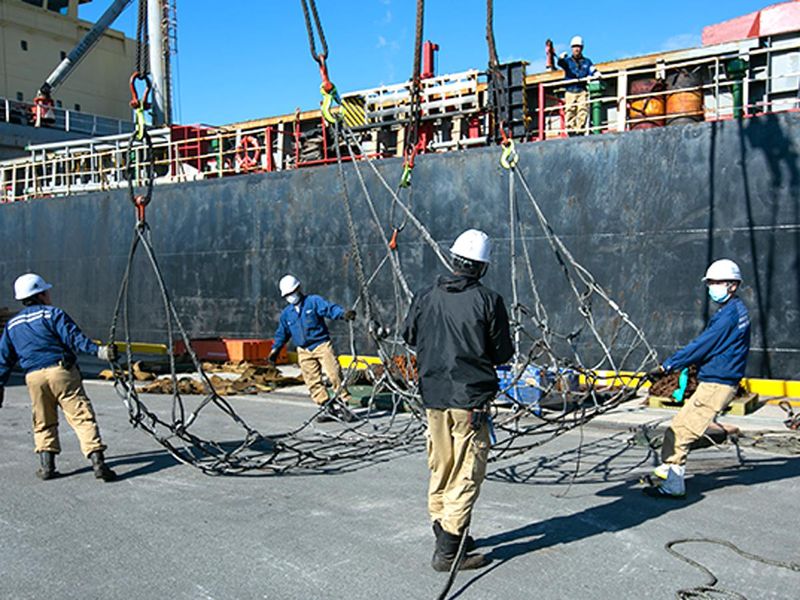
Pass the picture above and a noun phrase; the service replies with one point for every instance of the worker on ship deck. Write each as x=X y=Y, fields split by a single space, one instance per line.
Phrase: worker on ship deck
x=460 y=331
x=44 y=340
x=577 y=68
x=720 y=353
x=304 y=322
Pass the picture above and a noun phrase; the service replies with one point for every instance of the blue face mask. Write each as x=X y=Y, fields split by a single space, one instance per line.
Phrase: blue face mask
x=718 y=292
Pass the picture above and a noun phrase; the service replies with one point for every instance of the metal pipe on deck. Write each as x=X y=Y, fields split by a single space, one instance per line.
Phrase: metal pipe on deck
x=737 y=71
x=155 y=30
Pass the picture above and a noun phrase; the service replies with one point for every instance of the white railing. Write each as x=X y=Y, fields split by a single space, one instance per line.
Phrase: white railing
x=64 y=168
x=452 y=102
x=23 y=113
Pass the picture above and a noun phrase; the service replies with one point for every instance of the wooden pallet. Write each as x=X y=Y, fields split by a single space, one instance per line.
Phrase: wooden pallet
x=740 y=406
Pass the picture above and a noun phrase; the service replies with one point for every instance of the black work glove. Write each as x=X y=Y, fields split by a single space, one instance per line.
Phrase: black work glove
x=349 y=315
x=379 y=331
x=272 y=358
x=2 y=395
x=108 y=353
x=655 y=374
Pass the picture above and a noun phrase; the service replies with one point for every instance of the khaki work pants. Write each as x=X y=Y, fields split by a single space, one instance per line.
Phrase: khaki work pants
x=313 y=363
x=576 y=111
x=53 y=387
x=457 y=457
x=697 y=413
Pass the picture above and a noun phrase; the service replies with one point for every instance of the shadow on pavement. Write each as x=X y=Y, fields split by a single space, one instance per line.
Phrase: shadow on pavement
x=144 y=463
x=629 y=509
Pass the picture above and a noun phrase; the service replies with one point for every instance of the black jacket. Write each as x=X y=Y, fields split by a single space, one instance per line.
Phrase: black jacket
x=460 y=331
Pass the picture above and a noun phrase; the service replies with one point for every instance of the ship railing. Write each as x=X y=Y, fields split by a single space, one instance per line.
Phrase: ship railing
x=770 y=83
x=99 y=164
x=75 y=166
x=188 y=153
x=61 y=119
x=450 y=104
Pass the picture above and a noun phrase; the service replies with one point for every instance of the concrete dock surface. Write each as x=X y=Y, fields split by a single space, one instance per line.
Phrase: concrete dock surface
x=165 y=530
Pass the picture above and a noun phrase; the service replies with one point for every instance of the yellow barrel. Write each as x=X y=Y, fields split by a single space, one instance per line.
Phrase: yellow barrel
x=686 y=106
x=646 y=111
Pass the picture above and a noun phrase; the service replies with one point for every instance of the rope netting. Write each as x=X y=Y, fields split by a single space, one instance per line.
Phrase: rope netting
x=575 y=374
x=178 y=425
x=562 y=366
x=575 y=347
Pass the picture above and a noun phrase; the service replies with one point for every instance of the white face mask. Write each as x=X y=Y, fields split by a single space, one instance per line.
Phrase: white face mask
x=718 y=292
x=293 y=298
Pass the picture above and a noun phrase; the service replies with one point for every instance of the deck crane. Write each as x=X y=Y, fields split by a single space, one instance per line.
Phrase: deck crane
x=43 y=102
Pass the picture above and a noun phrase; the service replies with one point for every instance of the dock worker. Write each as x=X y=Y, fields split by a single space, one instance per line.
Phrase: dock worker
x=304 y=322
x=44 y=340
x=720 y=353
x=577 y=68
x=460 y=331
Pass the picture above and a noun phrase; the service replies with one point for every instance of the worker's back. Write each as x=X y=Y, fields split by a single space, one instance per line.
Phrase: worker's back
x=460 y=331
x=42 y=336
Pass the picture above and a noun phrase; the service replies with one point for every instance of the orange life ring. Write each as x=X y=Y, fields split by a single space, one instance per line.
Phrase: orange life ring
x=247 y=153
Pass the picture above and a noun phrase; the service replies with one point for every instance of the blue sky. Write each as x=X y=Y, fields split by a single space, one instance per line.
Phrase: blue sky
x=245 y=59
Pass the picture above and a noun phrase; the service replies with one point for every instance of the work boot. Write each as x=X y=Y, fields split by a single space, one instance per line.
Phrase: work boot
x=437 y=531
x=47 y=466
x=672 y=487
x=101 y=469
x=445 y=553
x=335 y=411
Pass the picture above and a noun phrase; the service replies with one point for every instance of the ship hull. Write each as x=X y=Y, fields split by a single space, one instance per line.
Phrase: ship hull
x=644 y=211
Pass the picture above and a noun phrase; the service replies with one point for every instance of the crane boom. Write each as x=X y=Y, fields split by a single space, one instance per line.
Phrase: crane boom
x=73 y=59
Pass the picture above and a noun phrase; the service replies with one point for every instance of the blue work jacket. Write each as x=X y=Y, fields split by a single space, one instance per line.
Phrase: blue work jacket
x=577 y=70
x=307 y=326
x=39 y=337
x=720 y=352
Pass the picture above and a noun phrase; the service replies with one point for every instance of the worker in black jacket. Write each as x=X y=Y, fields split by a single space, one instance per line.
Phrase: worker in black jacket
x=460 y=331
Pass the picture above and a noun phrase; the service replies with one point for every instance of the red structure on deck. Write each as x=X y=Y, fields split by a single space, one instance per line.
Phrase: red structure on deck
x=772 y=20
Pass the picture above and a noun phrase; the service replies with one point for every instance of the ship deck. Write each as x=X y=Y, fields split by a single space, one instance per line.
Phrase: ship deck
x=164 y=530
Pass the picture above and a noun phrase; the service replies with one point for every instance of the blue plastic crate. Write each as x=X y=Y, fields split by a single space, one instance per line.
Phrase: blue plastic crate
x=520 y=392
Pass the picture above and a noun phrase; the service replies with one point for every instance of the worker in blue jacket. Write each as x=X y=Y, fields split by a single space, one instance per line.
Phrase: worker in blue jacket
x=720 y=354
x=577 y=68
x=44 y=340
x=304 y=322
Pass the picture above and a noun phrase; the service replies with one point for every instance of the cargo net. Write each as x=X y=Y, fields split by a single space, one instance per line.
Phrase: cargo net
x=184 y=425
x=578 y=354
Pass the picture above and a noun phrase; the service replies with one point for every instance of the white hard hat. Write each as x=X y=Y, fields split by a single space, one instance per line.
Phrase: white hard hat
x=577 y=41
x=29 y=285
x=723 y=270
x=288 y=284
x=473 y=245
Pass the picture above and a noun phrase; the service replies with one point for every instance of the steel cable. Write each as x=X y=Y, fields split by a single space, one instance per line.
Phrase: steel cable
x=323 y=56
x=329 y=450
x=709 y=590
x=142 y=40
x=575 y=412
x=493 y=62
x=522 y=427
